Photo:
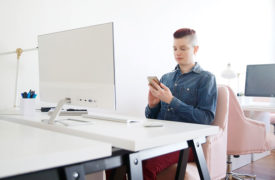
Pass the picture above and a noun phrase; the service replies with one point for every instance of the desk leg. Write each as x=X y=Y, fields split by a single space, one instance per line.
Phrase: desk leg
x=134 y=167
x=199 y=158
x=182 y=163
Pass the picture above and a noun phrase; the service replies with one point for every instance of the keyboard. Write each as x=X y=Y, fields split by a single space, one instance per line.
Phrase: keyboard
x=115 y=118
x=69 y=113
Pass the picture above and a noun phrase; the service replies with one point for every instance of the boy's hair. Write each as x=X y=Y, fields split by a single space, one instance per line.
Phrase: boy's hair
x=187 y=32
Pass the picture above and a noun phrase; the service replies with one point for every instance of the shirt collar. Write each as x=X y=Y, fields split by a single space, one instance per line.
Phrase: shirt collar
x=196 y=69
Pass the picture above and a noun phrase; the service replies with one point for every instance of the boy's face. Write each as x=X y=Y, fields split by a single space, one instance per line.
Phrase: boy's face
x=184 y=51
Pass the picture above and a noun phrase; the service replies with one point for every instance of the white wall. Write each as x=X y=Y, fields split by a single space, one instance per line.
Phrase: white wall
x=229 y=31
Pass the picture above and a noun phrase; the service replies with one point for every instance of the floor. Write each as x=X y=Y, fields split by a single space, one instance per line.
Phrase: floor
x=263 y=168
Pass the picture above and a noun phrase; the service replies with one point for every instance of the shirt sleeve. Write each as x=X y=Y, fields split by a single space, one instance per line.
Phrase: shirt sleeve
x=205 y=110
x=152 y=113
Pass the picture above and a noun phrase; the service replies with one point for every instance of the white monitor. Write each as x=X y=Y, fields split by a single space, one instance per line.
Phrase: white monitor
x=78 y=64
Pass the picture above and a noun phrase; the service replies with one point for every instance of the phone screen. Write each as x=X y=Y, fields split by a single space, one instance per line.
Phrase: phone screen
x=153 y=78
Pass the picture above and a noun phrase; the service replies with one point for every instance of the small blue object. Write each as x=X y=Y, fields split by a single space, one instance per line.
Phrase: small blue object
x=30 y=94
x=24 y=95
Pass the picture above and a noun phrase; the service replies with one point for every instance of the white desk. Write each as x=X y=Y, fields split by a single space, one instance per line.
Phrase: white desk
x=144 y=142
x=132 y=137
x=25 y=149
x=262 y=107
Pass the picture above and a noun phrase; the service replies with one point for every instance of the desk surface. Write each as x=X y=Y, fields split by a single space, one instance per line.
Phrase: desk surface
x=258 y=106
x=133 y=137
x=27 y=149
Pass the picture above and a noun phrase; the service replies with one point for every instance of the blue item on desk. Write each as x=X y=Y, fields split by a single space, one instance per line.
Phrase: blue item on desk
x=30 y=94
x=24 y=95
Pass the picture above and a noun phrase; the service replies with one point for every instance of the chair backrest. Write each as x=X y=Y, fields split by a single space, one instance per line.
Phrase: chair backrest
x=215 y=147
x=221 y=116
x=235 y=111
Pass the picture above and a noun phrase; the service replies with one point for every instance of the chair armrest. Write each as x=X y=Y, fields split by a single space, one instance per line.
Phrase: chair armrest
x=248 y=136
x=254 y=128
x=213 y=138
x=215 y=153
x=255 y=122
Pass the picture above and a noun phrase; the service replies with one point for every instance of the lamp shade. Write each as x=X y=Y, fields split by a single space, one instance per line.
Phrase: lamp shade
x=228 y=73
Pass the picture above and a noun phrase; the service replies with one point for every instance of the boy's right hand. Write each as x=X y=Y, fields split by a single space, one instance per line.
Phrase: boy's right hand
x=152 y=100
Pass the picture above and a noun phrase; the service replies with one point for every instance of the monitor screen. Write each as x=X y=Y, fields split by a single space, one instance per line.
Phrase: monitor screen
x=260 y=80
x=78 y=64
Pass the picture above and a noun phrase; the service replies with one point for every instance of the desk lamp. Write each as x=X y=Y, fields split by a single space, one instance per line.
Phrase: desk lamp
x=228 y=73
x=18 y=52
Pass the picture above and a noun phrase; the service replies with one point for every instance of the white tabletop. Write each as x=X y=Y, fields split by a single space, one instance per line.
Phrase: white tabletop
x=258 y=106
x=133 y=137
x=27 y=149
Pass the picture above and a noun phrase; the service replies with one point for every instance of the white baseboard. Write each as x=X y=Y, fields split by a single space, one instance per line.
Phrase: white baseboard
x=241 y=161
x=257 y=156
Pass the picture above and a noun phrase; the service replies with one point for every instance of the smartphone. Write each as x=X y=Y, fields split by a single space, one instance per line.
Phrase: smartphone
x=153 y=78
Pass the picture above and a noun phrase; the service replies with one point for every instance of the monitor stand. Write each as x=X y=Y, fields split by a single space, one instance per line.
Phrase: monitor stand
x=57 y=111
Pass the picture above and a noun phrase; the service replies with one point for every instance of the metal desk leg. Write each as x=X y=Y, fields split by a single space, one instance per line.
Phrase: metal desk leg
x=182 y=163
x=195 y=144
x=134 y=167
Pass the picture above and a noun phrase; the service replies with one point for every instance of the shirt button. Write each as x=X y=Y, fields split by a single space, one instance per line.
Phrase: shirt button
x=176 y=84
x=168 y=109
x=187 y=89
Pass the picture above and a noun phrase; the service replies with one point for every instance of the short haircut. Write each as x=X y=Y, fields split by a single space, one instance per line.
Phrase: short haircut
x=187 y=32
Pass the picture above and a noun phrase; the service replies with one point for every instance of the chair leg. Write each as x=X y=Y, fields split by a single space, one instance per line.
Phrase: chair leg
x=243 y=176
x=232 y=175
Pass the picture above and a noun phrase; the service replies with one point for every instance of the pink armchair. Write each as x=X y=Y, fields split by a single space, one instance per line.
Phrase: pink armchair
x=245 y=136
x=216 y=145
x=214 y=148
x=272 y=120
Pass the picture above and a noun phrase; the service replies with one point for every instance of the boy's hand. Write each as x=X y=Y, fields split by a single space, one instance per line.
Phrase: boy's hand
x=161 y=92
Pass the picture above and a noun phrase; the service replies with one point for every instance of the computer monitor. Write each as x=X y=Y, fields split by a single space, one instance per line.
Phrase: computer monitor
x=260 y=80
x=78 y=64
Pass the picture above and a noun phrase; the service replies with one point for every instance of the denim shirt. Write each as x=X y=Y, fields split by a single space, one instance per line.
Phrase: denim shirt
x=194 y=97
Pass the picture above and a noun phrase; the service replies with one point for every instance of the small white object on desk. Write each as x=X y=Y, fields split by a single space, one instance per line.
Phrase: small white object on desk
x=27 y=106
x=153 y=124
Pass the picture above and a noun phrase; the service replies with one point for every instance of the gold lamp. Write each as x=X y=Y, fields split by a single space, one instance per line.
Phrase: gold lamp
x=18 y=52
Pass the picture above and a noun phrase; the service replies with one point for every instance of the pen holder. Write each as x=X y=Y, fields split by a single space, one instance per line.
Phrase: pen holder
x=27 y=106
